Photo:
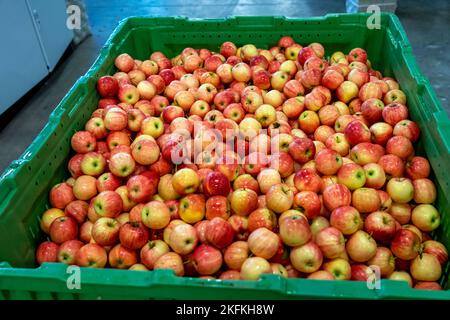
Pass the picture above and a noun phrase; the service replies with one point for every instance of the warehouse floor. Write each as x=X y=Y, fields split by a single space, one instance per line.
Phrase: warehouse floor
x=427 y=26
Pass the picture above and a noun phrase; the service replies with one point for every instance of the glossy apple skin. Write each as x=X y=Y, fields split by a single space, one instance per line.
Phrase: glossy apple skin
x=308 y=180
x=151 y=251
x=47 y=252
x=207 y=259
x=357 y=132
x=217 y=206
x=61 y=195
x=235 y=254
x=253 y=267
x=262 y=217
x=219 y=232
x=63 y=229
x=361 y=272
x=171 y=260
x=417 y=168
x=331 y=242
x=91 y=255
x=437 y=249
x=295 y=230
x=306 y=258
x=381 y=225
x=263 y=243
x=405 y=244
x=133 y=235
x=346 y=219
x=336 y=195
x=308 y=203
x=302 y=150
x=216 y=184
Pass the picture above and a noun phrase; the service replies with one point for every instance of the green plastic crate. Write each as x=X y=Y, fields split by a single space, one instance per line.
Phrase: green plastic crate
x=25 y=184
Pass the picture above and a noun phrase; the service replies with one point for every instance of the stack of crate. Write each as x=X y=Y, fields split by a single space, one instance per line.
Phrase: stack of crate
x=353 y=6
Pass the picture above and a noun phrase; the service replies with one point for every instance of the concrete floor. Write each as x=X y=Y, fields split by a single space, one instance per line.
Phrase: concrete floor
x=427 y=25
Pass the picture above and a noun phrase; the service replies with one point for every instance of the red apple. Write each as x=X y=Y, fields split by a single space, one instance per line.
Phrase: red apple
x=295 y=230
x=107 y=86
x=366 y=200
x=68 y=250
x=392 y=165
x=140 y=188
x=217 y=206
x=346 y=219
x=121 y=257
x=170 y=260
x=216 y=183
x=331 y=242
x=262 y=217
x=235 y=254
x=47 y=252
x=380 y=225
x=207 y=259
x=183 y=239
x=91 y=255
x=279 y=198
x=418 y=167
x=133 y=235
x=405 y=244
x=362 y=272
x=243 y=201
x=308 y=203
x=401 y=276
x=437 y=249
x=394 y=113
x=108 y=204
x=304 y=54
x=381 y=132
x=335 y=196
x=63 y=229
x=384 y=260
x=254 y=267
x=424 y=191
x=361 y=247
x=155 y=215
x=357 y=132
x=61 y=195
x=328 y=161
x=124 y=62
x=306 y=258
x=263 y=243
x=407 y=129
x=219 y=232
x=321 y=275
x=105 y=231
x=308 y=180
x=400 y=146
x=152 y=251
x=240 y=226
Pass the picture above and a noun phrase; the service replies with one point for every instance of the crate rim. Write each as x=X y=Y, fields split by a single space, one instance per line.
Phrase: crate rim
x=19 y=164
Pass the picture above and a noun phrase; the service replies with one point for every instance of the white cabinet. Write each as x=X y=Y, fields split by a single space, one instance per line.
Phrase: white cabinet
x=22 y=61
x=50 y=22
x=34 y=35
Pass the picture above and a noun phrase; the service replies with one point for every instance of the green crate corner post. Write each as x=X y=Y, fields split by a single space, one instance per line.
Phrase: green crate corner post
x=25 y=184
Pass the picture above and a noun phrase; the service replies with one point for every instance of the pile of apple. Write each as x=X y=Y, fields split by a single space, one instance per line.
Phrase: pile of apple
x=249 y=161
